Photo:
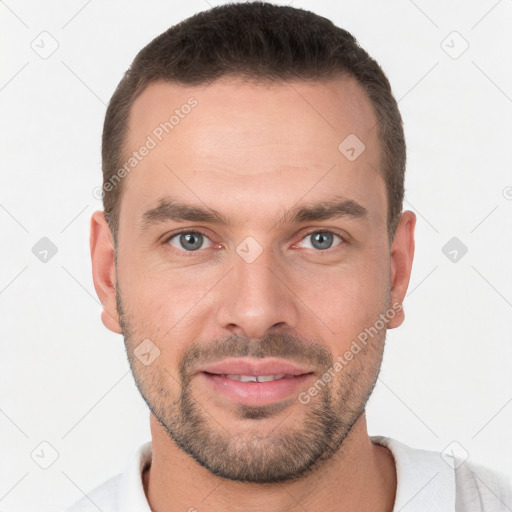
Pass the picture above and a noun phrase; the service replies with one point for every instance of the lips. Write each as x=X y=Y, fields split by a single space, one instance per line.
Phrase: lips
x=256 y=368
x=253 y=381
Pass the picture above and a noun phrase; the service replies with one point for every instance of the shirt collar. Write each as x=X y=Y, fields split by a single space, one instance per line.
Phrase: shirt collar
x=132 y=497
x=424 y=480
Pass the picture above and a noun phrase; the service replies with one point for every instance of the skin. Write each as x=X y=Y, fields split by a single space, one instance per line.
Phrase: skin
x=252 y=152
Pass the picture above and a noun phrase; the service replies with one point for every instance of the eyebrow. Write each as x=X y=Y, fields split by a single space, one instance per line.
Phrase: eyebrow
x=170 y=209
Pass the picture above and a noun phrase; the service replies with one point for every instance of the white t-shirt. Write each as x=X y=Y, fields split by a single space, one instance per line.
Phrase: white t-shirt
x=426 y=482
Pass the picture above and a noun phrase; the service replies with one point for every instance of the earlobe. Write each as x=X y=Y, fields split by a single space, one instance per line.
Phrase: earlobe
x=104 y=270
x=402 y=255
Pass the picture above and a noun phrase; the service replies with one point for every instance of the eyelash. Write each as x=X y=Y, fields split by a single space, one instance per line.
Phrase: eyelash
x=188 y=254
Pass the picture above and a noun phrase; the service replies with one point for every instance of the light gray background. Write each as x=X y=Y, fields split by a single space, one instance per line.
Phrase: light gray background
x=65 y=379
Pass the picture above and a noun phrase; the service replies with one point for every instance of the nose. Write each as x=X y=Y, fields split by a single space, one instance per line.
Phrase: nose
x=255 y=297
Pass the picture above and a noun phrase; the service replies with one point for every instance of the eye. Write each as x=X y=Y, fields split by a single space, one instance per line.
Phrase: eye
x=189 y=241
x=193 y=241
x=322 y=240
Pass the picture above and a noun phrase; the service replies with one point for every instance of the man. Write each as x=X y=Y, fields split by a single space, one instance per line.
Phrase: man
x=253 y=252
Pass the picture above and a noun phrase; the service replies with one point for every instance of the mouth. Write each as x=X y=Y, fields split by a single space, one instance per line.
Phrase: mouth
x=272 y=382
x=256 y=368
x=255 y=378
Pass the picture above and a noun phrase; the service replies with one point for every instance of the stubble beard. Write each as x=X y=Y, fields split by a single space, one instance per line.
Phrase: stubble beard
x=259 y=455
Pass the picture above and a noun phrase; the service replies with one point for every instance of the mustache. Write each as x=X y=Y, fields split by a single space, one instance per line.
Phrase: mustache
x=283 y=346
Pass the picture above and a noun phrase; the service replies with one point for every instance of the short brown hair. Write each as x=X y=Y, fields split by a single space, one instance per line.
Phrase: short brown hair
x=259 y=41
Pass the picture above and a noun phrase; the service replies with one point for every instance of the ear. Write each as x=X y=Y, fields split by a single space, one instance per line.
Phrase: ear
x=104 y=270
x=402 y=254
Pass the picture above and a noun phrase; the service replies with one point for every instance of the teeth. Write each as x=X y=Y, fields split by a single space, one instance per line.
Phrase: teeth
x=255 y=378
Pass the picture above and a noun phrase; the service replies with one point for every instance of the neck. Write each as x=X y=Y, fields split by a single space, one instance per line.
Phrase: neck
x=360 y=476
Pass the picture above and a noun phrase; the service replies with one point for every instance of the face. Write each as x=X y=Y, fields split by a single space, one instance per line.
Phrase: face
x=250 y=244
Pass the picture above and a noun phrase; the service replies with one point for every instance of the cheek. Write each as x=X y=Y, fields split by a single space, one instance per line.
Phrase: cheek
x=149 y=292
x=168 y=308
x=352 y=300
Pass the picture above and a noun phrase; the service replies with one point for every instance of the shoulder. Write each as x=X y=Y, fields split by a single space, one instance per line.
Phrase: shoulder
x=438 y=481
x=481 y=488
x=103 y=497
x=123 y=492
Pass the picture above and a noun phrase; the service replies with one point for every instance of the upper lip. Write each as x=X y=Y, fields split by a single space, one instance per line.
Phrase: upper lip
x=267 y=366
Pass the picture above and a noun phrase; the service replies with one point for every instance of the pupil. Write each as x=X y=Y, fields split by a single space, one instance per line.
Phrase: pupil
x=322 y=237
x=188 y=237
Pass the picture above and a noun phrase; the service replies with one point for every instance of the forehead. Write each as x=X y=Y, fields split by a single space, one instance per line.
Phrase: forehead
x=254 y=144
x=331 y=110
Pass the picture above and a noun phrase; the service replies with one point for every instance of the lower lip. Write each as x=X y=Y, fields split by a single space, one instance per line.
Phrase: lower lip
x=257 y=393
